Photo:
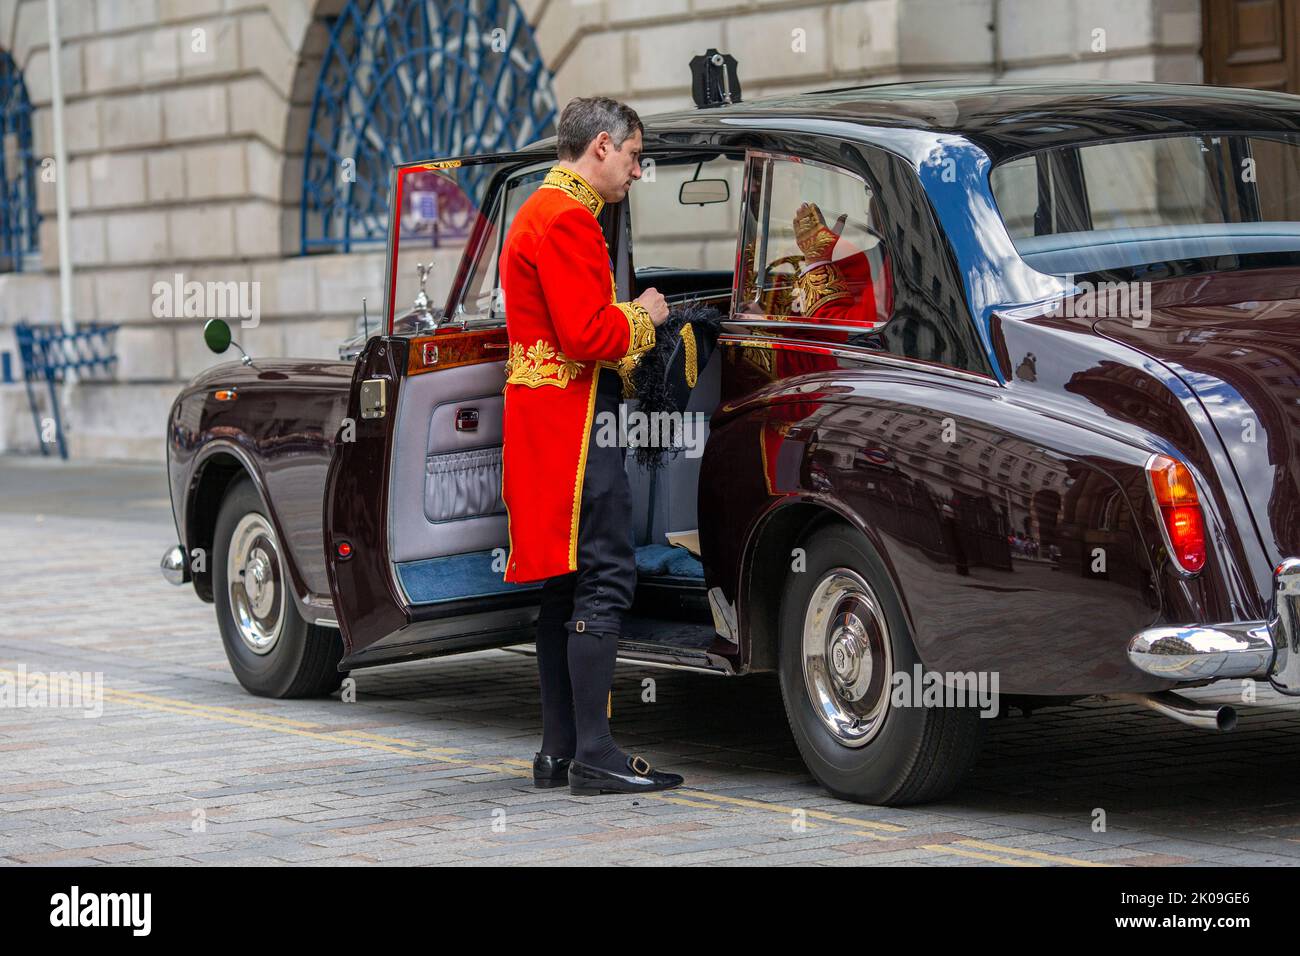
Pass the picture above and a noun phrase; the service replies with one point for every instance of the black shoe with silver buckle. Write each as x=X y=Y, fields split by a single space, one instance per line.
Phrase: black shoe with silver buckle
x=550 y=771
x=639 y=777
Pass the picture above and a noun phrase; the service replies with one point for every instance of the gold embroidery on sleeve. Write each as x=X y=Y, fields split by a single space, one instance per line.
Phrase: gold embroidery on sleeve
x=541 y=364
x=641 y=328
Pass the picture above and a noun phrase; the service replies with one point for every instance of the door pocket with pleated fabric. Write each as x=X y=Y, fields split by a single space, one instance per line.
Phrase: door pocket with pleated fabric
x=463 y=484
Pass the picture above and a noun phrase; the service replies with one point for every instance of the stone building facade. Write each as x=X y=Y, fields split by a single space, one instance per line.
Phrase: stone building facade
x=186 y=122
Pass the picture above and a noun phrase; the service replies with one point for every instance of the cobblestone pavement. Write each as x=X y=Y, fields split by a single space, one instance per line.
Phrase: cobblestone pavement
x=431 y=763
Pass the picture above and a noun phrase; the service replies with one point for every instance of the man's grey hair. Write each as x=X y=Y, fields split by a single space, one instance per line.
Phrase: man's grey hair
x=583 y=119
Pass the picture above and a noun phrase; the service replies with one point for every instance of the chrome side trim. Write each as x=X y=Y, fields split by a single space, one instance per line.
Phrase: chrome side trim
x=870 y=356
x=794 y=323
x=699 y=663
x=717 y=669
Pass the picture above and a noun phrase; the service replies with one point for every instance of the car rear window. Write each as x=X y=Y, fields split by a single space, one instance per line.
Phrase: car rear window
x=1180 y=203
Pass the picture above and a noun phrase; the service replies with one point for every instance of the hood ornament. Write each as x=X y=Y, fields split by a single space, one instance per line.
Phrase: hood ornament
x=422 y=297
x=422 y=317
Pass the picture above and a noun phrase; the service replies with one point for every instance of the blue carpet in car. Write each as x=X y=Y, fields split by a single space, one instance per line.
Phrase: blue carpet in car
x=453 y=577
x=458 y=576
x=655 y=560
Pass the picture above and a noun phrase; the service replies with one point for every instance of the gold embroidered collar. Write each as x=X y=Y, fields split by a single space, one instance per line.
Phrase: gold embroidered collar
x=557 y=177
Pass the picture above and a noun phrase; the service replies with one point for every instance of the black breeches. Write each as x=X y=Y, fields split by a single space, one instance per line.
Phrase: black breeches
x=597 y=595
x=581 y=614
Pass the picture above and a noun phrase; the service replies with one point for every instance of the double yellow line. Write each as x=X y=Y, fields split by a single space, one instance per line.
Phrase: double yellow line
x=870 y=829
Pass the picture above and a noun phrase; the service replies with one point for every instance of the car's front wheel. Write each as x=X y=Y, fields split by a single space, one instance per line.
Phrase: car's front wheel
x=273 y=651
x=843 y=637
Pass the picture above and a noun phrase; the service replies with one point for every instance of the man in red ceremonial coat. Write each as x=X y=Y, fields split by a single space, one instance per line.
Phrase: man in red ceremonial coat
x=567 y=497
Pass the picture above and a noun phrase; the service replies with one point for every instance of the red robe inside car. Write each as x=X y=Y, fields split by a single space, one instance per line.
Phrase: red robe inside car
x=563 y=323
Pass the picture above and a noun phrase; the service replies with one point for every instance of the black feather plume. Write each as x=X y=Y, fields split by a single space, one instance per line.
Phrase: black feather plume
x=655 y=376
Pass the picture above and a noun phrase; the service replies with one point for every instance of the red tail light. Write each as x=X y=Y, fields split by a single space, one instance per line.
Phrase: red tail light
x=1183 y=524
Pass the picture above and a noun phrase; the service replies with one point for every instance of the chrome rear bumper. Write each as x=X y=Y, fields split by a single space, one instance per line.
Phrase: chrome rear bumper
x=1243 y=649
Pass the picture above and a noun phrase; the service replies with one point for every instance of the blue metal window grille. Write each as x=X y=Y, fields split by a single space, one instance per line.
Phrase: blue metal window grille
x=48 y=353
x=406 y=80
x=19 y=220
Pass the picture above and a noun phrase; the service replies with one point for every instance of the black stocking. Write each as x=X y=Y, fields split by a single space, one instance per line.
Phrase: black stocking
x=559 y=735
x=591 y=669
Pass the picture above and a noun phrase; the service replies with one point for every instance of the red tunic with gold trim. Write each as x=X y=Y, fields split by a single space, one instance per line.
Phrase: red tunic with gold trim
x=563 y=324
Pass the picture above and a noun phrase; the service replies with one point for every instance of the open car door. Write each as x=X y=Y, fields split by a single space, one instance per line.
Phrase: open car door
x=415 y=527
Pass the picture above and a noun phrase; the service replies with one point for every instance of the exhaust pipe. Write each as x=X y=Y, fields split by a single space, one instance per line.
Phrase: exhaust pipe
x=1220 y=717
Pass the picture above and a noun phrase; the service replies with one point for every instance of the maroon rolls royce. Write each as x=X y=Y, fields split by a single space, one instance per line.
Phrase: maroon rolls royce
x=1046 y=449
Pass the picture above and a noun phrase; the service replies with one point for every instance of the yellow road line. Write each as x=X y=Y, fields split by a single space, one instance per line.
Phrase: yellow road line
x=242 y=715
x=692 y=803
x=989 y=857
x=781 y=808
x=310 y=734
x=380 y=738
x=1033 y=854
x=211 y=708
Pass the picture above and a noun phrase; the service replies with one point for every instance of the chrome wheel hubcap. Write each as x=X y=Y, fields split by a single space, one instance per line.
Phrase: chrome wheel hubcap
x=255 y=584
x=847 y=658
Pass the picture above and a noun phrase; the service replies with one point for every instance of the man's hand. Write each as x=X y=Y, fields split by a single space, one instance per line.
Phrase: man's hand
x=655 y=304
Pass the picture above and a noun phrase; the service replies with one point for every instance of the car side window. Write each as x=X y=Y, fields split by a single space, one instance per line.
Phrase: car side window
x=853 y=257
x=684 y=211
x=819 y=256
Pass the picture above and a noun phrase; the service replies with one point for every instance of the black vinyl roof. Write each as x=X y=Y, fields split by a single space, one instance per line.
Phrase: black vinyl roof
x=1004 y=119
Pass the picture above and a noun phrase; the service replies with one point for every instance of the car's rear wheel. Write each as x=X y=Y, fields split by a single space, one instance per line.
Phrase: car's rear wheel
x=843 y=636
x=273 y=651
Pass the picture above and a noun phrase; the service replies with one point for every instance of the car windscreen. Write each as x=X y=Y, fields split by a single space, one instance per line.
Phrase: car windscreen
x=1156 y=205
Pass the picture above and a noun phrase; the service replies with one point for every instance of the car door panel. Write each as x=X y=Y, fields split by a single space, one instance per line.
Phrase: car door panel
x=402 y=570
x=441 y=480
x=416 y=531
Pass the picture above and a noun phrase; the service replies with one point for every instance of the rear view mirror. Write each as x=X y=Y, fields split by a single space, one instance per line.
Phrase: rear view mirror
x=700 y=192
x=216 y=335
